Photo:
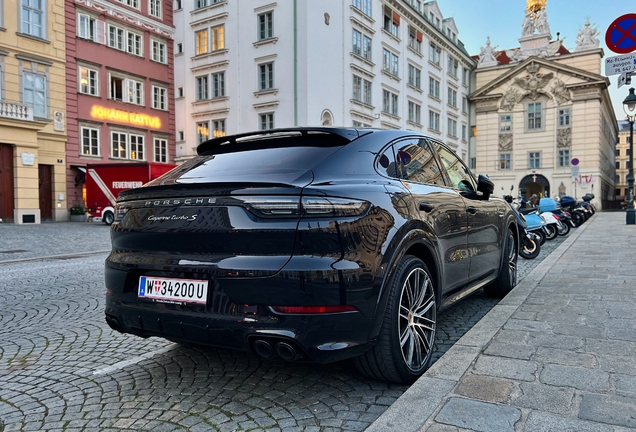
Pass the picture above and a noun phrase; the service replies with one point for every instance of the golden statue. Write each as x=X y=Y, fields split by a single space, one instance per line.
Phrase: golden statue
x=536 y=5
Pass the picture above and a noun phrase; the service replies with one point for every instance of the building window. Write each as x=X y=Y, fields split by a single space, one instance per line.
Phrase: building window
x=218 y=85
x=179 y=92
x=218 y=128
x=453 y=66
x=202 y=87
x=158 y=51
x=452 y=97
x=363 y=5
x=357 y=42
x=161 y=150
x=415 y=113
x=361 y=90
x=90 y=141
x=534 y=116
x=179 y=48
x=159 y=98
x=134 y=41
x=390 y=62
x=504 y=161
x=33 y=17
x=618 y=152
x=433 y=87
x=564 y=117
x=564 y=158
x=218 y=38
x=34 y=93
x=618 y=165
x=154 y=6
x=86 y=27
x=201 y=42
x=433 y=120
x=389 y=102
x=464 y=104
x=415 y=39
x=505 y=123
x=266 y=77
x=464 y=132
x=88 y=81
x=120 y=149
x=534 y=160
x=180 y=135
x=203 y=133
x=266 y=121
x=391 y=21
x=435 y=54
x=126 y=90
x=465 y=72
x=131 y=3
x=265 y=26
x=415 y=75
x=452 y=127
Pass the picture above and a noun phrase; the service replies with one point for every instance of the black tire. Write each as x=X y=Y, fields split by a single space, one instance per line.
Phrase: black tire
x=565 y=228
x=577 y=218
x=404 y=347
x=108 y=218
x=531 y=250
x=507 y=278
x=541 y=236
x=551 y=231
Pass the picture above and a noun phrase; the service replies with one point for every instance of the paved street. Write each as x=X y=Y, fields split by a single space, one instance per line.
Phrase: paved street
x=62 y=368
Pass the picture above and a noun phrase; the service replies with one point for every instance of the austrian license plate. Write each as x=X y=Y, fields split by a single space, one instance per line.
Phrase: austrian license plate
x=173 y=291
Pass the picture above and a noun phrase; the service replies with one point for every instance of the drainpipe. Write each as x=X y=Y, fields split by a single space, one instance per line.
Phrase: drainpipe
x=295 y=63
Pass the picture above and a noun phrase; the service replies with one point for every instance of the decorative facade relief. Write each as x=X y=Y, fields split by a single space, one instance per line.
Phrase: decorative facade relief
x=586 y=39
x=560 y=93
x=534 y=82
x=487 y=55
x=564 y=138
x=505 y=142
x=510 y=99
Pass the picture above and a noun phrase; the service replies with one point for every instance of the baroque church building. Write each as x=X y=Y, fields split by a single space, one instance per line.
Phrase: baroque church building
x=543 y=118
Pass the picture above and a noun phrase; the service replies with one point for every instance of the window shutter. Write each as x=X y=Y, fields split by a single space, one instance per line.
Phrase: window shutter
x=101 y=31
x=419 y=36
x=396 y=18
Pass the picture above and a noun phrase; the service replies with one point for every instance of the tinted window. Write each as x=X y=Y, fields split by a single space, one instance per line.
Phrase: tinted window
x=385 y=164
x=458 y=174
x=417 y=161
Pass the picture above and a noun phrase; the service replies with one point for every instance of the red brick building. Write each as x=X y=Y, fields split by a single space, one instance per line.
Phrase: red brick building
x=119 y=85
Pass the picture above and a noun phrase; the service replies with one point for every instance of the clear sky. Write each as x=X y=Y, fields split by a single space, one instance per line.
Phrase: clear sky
x=502 y=19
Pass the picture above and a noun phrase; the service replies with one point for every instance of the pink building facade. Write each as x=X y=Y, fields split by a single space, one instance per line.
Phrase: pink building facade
x=119 y=85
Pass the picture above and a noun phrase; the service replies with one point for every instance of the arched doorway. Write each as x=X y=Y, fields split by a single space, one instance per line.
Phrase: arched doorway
x=534 y=184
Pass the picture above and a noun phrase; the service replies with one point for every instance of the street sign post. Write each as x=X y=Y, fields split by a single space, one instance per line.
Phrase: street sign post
x=621 y=34
x=576 y=171
x=620 y=64
x=625 y=78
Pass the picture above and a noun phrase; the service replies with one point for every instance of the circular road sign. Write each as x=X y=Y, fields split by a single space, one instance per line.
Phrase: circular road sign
x=575 y=161
x=621 y=34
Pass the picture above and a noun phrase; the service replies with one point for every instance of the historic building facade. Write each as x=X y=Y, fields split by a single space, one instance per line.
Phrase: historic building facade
x=265 y=65
x=622 y=163
x=119 y=85
x=543 y=115
x=32 y=111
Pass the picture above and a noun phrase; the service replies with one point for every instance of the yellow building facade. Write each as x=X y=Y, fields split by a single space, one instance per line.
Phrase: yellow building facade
x=32 y=111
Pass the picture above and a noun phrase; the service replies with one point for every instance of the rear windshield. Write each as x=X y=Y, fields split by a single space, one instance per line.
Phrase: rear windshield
x=275 y=164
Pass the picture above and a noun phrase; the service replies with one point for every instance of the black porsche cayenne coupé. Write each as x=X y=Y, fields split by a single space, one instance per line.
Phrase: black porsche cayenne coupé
x=309 y=244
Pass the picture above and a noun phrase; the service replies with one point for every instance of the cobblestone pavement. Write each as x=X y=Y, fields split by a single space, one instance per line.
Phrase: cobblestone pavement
x=62 y=368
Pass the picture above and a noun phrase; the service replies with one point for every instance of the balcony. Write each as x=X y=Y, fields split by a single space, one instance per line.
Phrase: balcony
x=16 y=111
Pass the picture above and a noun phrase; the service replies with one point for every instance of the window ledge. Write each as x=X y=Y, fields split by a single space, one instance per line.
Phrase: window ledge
x=435 y=131
x=85 y=156
x=418 y=125
x=42 y=119
x=362 y=14
x=417 y=89
x=37 y=38
x=210 y=54
x=452 y=107
x=208 y=7
x=362 y=104
x=273 y=91
x=435 y=98
x=390 y=75
x=416 y=52
x=88 y=94
x=267 y=41
x=179 y=54
x=359 y=57
x=3 y=29
x=392 y=36
x=390 y=115
x=159 y=62
x=435 y=65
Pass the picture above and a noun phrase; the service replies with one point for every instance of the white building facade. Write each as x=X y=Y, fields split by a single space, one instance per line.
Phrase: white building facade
x=371 y=63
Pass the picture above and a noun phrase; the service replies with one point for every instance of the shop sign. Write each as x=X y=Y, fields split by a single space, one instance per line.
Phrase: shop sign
x=135 y=119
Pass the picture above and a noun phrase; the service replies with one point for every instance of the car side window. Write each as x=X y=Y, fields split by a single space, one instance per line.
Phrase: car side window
x=417 y=161
x=458 y=173
x=386 y=165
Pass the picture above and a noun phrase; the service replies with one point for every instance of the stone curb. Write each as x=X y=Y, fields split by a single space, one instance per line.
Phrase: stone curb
x=70 y=255
x=428 y=394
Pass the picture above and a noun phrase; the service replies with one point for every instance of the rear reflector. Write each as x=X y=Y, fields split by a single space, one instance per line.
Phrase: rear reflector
x=313 y=309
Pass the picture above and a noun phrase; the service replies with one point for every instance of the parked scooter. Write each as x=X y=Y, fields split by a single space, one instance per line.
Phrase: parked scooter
x=529 y=247
x=535 y=223
x=548 y=210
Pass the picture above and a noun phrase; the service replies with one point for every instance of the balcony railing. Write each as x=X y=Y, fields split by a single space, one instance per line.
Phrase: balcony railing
x=16 y=111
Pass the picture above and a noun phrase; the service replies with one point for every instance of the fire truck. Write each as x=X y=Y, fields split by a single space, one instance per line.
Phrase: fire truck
x=104 y=182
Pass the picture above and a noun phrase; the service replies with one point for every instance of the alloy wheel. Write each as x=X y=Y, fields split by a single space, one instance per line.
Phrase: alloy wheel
x=417 y=320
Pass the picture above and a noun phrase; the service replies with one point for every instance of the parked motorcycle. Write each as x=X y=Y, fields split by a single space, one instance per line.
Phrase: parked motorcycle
x=529 y=247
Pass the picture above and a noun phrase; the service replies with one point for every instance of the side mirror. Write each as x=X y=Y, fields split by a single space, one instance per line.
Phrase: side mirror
x=485 y=186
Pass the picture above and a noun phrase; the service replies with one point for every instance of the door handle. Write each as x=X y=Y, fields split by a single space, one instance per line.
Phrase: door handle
x=471 y=210
x=424 y=206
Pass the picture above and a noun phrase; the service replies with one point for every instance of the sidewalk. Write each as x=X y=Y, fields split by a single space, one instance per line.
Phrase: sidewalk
x=557 y=354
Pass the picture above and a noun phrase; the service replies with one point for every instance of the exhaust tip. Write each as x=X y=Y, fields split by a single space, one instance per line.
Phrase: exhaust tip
x=286 y=351
x=263 y=349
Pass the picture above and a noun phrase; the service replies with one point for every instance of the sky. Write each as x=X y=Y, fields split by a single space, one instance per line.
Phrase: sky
x=502 y=20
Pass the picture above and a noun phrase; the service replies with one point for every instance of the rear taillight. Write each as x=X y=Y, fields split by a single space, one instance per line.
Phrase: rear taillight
x=308 y=207
x=332 y=207
x=299 y=310
x=556 y=217
x=120 y=211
